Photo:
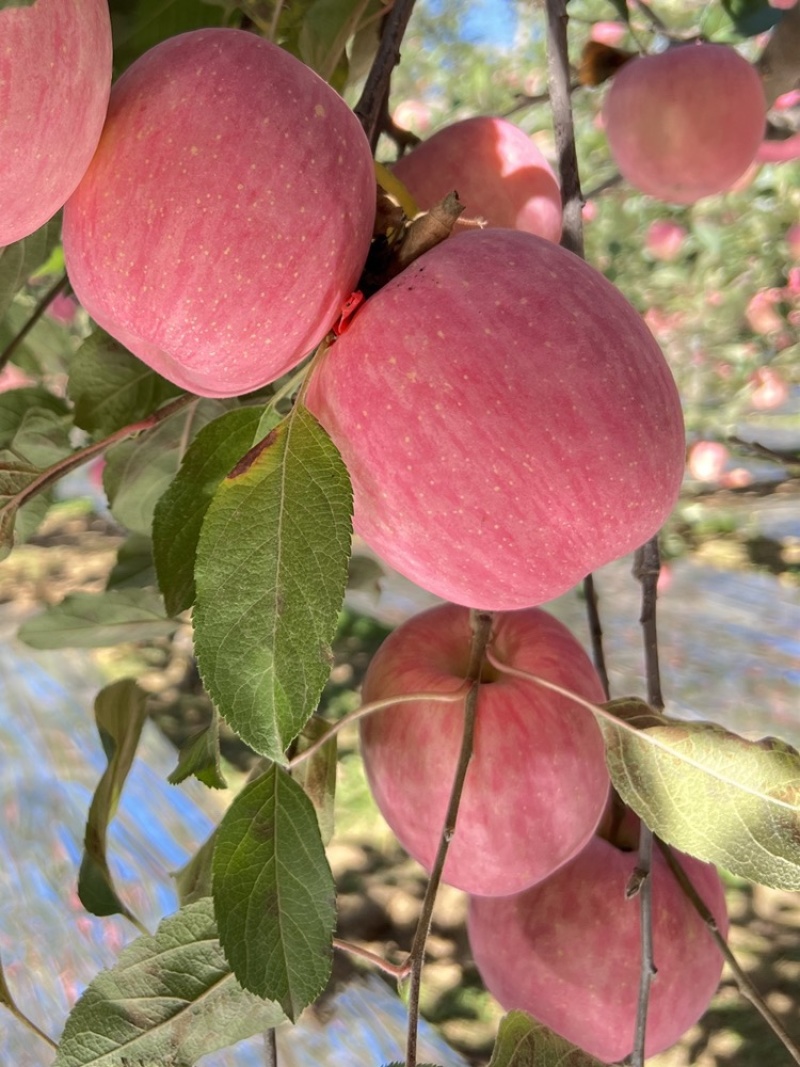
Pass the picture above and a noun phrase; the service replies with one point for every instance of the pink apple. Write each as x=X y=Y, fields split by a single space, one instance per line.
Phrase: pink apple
x=537 y=784
x=567 y=950
x=760 y=312
x=664 y=239
x=707 y=460
x=507 y=420
x=770 y=389
x=226 y=215
x=685 y=123
x=413 y=115
x=610 y=33
x=779 y=151
x=55 y=78
x=497 y=170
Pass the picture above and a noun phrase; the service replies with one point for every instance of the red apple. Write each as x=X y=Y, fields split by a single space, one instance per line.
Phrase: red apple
x=761 y=314
x=508 y=421
x=665 y=239
x=226 y=215
x=567 y=951
x=497 y=170
x=685 y=123
x=708 y=460
x=537 y=783
x=55 y=78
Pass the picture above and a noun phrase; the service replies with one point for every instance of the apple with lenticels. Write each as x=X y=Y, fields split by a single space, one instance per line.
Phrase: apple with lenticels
x=499 y=173
x=568 y=952
x=55 y=80
x=226 y=215
x=537 y=782
x=685 y=123
x=508 y=421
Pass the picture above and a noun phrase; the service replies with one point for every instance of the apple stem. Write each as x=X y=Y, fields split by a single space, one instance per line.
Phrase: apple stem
x=481 y=633
x=373 y=98
x=367 y=709
x=745 y=985
x=45 y=302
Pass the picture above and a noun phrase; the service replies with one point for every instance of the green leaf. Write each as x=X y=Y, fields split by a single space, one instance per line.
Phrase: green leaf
x=138 y=471
x=731 y=20
x=42 y=438
x=111 y=388
x=200 y=757
x=179 y=513
x=169 y=1000
x=20 y=260
x=316 y=775
x=193 y=880
x=522 y=1042
x=97 y=620
x=139 y=24
x=17 y=403
x=134 y=567
x=274 y=892
x=326 y=29
x=16 y=3
x=120 y=712
x=709 y=792
x=15 y=476
x=271 y=573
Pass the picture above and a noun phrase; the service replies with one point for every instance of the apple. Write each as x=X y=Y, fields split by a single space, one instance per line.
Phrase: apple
x=664 y=239
x=708 y=460
x=226 y=215
x=761 y=314
x=508 y=421
x=55 y=79
x=610 y=33
x=537 y=783
x=568 y=950
x=499 y=173
x=685 y=123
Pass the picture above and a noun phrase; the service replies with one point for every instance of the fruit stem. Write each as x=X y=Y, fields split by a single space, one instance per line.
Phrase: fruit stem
x=746 y=987
x=481 y=632
x=8 y=1002
x=399 y=971
x=39 y=310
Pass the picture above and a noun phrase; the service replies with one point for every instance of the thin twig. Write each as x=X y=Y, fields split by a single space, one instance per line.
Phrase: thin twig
x=376 y=89
x=271 y=1048
x=45 y=302
x=398 y=971
x=52 y=474
x=746 y=987
x=481 y=632
x=646 y=568
x=31 y=1025
x=596 y=631
x=367 y=709
x=559 y=87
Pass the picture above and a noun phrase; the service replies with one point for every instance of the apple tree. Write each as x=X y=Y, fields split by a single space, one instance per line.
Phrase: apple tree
x=282 y=342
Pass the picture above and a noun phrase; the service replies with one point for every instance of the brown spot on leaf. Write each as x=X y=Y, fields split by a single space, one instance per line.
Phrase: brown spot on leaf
x=249 y=458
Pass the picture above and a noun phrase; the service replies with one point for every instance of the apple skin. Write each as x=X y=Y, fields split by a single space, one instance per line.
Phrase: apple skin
x=226 y=215
x=567 y=950
x=685 y=123
x=499 y=173
x=508 y=421
x=537 y=783
x=55 y=80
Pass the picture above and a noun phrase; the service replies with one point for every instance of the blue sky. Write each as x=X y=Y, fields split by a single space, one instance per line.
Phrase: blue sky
x=490 y=22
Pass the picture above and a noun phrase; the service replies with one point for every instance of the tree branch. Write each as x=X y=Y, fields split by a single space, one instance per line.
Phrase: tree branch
x=559 y=87
x=369 y=108
x=45 y=302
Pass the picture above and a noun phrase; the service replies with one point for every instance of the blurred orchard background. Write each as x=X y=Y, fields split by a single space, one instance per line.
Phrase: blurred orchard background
x=719 y=285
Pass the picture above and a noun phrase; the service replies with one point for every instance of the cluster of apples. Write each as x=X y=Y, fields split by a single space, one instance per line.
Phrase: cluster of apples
x=537 y=844
x=506 y=417
x=508 y=421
